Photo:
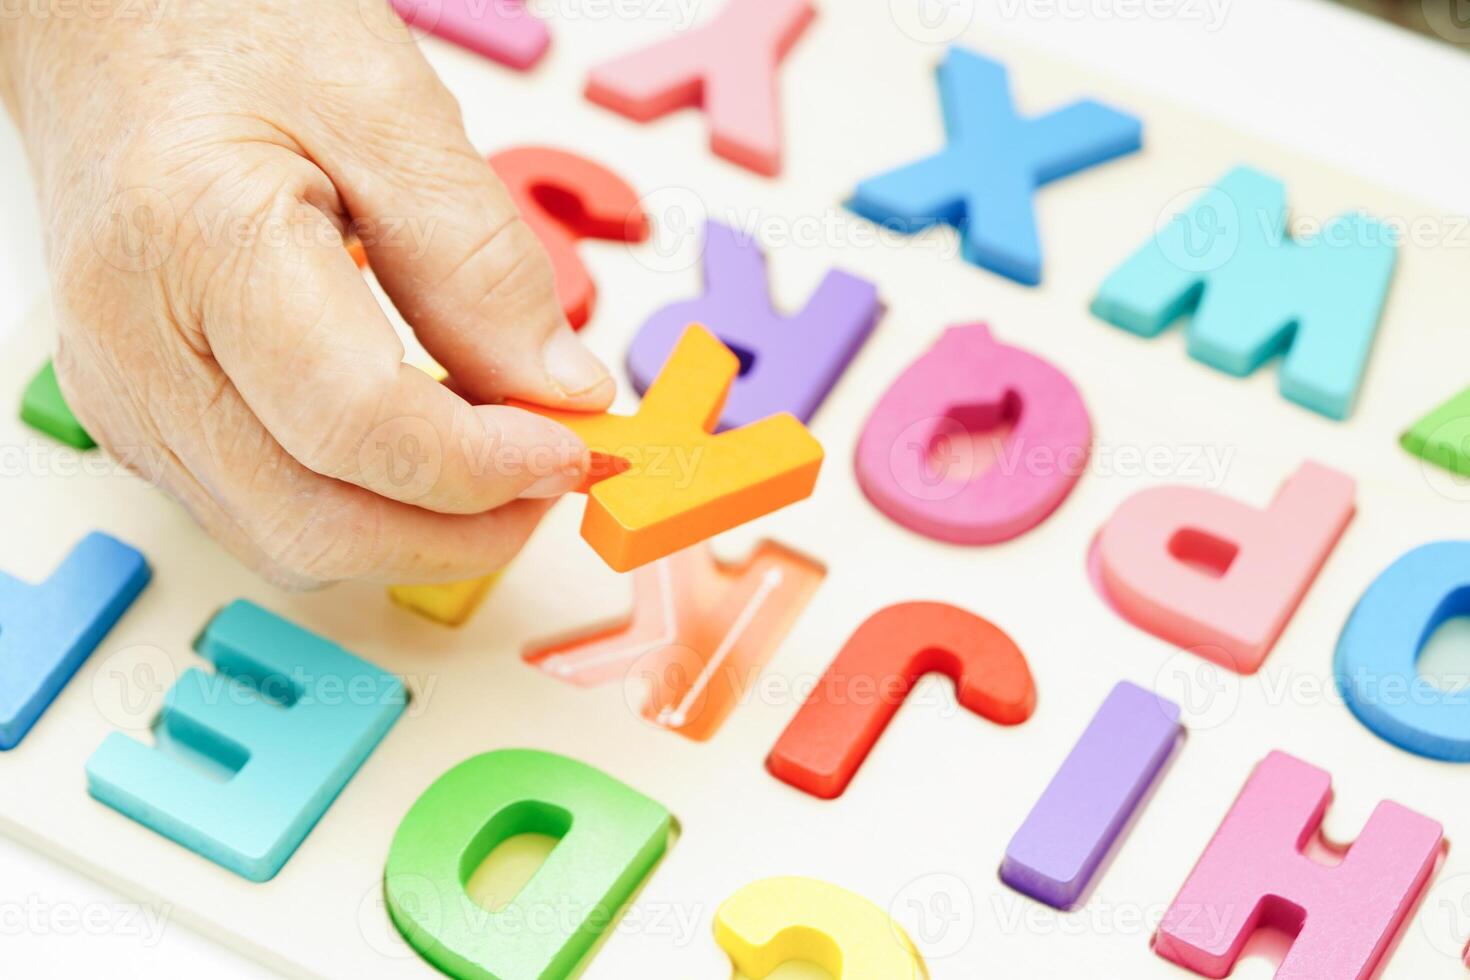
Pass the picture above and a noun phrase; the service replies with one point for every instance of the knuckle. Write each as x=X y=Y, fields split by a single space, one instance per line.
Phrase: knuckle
x=509 y=265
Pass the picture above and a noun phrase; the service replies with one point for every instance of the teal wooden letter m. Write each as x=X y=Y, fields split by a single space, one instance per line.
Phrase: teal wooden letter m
x=1256 y=292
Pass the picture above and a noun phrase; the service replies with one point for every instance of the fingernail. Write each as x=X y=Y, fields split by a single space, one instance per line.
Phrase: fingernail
x=574 y=368
x=552 y=485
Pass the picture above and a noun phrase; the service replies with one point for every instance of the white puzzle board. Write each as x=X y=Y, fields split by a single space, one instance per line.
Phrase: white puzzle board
x=924 y=825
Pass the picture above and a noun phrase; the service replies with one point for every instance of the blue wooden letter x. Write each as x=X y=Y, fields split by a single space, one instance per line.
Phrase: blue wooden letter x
x=984 y=180
x=247 y=759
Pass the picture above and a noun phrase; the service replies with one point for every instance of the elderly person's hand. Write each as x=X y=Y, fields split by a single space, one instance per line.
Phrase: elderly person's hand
x=198 y=162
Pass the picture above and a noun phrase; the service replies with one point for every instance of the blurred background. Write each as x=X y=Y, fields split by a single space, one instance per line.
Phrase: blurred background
x=1448 y=20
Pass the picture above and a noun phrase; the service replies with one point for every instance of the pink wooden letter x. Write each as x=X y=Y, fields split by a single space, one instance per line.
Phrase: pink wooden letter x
x=727 y=65
x=1253 y=874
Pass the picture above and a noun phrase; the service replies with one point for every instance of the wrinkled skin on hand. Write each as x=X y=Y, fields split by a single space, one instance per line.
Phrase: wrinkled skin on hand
x=198 y=162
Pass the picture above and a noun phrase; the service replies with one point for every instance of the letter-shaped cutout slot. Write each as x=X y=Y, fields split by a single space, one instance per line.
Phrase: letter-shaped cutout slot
x=699 y=634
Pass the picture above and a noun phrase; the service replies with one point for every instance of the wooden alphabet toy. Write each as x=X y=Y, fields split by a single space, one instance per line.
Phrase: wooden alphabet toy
x=779 y=920
x=699 y=634
x=1443 y=436
x=1218 y=577
x=450 y=603
x=283 y=723
x=564 y=198
x=822 y=748
x=48 y=629
x=502 y=30
x=1253 y=290
x=1078 y=820
x=787 y=363
x=1253 y=874
x=1378 y=652
x=44 y=409
x=727 y=65
x=984 y=180
x=394 y=795
x=665 y=481
x=609 y=838
x=916 y=461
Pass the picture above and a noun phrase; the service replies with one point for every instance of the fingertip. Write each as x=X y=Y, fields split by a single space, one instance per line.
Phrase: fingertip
x=544 y=457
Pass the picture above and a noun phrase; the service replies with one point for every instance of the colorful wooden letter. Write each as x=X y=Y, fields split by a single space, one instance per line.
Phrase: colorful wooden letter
x=664 y=481
x=44 y=409
x=727 y=65
x=48 y=630
x=700 y=632
x=1254 y=291
x=1254 y=874
x=1216 y=576
x=502 y=30
x=610 y=838
x=833 y=732
x=1443 y=436
x=1378 y=652
x=449 y=603
x=984 y=180
x=565 y=198
x=772 y=922
x=249 y=758
x=1079 y=818
x=788 y=363
x=914 y=460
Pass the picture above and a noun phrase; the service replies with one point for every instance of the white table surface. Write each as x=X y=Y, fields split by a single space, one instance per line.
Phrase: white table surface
x=1372 y=99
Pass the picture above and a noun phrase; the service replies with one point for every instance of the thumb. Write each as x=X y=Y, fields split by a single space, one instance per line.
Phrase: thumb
x=445 y=240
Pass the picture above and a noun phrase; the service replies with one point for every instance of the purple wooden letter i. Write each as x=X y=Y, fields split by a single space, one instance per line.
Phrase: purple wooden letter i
x=787 y=363
x=1079 y=817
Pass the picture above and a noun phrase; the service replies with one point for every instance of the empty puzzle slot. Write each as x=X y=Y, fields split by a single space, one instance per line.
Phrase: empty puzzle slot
x=508 y=851
x=1202 y=551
